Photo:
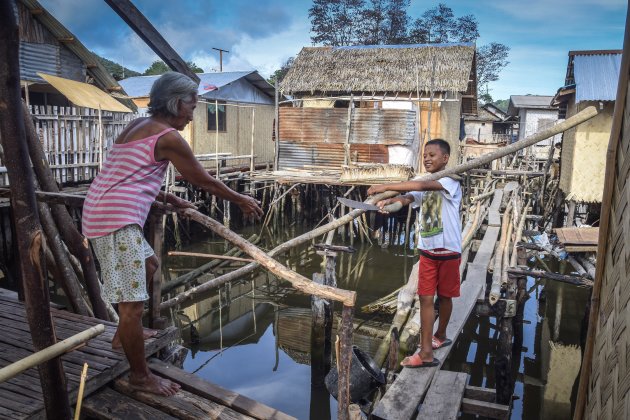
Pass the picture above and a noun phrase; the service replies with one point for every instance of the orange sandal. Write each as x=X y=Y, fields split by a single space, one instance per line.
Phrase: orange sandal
x=436 y=343
x=415 y=361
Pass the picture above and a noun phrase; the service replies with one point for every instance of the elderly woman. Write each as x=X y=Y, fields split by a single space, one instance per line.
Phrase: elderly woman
x=118 y=202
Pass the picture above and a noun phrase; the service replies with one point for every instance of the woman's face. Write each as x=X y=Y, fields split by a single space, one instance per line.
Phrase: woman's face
x=186 y=112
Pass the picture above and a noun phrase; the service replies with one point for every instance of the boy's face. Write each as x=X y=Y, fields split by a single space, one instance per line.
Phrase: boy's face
x=434 y=158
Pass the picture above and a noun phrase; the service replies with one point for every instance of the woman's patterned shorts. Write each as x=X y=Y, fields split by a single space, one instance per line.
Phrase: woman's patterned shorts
x=122 y=255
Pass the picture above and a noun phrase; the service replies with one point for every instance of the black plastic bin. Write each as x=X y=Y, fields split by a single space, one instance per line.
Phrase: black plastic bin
x=365 y=376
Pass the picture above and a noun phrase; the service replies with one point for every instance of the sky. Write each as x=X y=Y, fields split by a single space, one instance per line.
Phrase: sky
x=262 y=34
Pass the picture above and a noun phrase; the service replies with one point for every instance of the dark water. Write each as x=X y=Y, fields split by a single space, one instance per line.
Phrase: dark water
x=254 y=336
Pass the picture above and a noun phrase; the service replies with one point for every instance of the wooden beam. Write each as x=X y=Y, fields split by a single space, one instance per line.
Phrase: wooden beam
x=145 y=30
x=444 y=397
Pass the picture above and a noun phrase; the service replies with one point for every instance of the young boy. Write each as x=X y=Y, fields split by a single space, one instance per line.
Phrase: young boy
x=440 y=247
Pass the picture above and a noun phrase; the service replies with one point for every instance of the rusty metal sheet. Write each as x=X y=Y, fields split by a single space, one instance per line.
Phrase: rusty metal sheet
x=298 y=154
x=329 y=125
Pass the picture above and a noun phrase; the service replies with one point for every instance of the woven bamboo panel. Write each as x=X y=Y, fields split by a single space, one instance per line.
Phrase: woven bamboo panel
x=609 y=383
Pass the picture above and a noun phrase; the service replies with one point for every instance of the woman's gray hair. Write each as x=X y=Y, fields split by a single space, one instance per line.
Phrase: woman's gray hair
x=170 y=88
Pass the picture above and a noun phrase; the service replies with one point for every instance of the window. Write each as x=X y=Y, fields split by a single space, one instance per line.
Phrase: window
x=212 y=117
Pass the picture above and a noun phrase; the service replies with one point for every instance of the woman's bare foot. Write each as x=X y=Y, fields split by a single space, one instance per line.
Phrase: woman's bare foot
x=146 y=334
x=154 y=384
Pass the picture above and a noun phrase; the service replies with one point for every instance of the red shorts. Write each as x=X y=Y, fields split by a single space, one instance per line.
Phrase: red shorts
x=439 y=273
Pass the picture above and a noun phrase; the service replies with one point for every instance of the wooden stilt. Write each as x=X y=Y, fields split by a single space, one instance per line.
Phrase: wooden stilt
x=343 y=364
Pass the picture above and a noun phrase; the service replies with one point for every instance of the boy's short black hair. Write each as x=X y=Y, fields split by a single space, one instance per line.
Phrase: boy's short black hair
x=442 y=144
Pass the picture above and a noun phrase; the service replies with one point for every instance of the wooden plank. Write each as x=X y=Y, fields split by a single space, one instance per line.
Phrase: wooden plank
x=494 y=218
x=108 y=404
x=183 y=405
x=404 y=395
x=480 y=394
x=208 y=390
x=485 y=409
x=578 y=236
x=444 y=397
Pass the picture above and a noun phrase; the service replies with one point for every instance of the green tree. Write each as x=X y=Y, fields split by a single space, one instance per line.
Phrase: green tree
x=335 y=22
x=117 y=71
x=279 y=74
x=159 y=67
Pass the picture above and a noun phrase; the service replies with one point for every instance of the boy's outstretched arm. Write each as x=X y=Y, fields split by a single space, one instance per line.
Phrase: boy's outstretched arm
x=406 y=186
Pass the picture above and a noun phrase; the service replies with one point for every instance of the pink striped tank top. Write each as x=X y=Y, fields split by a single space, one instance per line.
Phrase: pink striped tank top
x=122 y=193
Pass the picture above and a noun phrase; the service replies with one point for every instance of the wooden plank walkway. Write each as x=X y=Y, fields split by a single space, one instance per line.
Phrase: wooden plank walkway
x=21 y=397
x=403 y=397
x=445 y=396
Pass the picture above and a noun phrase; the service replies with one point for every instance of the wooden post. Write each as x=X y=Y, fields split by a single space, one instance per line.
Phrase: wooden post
x=277 y=128
x=216 y=138
x=503 y=360
x=343 y=364
x=346 y=146
x=156 y=236
x=28 y=229
x=251 y=163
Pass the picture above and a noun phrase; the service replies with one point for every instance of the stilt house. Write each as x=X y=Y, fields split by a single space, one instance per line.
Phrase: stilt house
x=591 y=80
x=374 y=104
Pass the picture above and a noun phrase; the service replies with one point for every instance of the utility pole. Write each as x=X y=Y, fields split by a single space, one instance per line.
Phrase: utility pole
x=221 y=51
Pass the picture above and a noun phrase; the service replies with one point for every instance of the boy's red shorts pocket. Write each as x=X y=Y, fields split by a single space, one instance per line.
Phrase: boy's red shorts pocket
x=439 y=273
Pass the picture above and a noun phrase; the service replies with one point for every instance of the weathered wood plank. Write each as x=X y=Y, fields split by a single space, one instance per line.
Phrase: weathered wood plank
x=494 y=218
x=485 y=409
x=231 y=399
x=405 y=394
x=480 y=394
x=444 y=397
x=108 y=404
x=183 y=405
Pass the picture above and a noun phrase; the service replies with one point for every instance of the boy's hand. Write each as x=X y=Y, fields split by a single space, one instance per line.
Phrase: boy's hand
x=376 y=189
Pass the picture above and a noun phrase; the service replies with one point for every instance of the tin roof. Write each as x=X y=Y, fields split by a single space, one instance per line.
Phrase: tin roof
x=596 y=76
x=140 y=86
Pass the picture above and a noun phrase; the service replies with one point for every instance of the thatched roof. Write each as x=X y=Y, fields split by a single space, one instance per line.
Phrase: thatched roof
x=382 y=68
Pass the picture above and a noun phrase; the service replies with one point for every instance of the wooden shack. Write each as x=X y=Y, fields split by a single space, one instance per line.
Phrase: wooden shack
x=591 y=80
x=604 y=391
x=374 y=104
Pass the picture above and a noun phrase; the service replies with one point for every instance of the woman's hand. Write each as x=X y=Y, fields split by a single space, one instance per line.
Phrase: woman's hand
x=376 y=189
x=405 y=201
x=250 y=207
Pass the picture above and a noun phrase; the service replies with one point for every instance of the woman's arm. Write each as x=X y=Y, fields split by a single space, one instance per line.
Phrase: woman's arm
x=173 y=147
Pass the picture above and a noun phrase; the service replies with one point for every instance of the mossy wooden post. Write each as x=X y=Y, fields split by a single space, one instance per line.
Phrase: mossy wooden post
x=343 y=364
x=29 y=233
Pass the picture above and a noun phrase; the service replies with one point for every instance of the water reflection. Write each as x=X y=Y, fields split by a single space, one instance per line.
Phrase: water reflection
x=254 y=337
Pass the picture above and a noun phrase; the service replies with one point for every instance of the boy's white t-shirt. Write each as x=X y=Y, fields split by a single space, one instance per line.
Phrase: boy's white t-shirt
x=440 y=224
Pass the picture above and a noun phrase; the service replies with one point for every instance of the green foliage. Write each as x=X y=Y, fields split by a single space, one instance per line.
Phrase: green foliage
x=502 y=104
x=279 y=74
x=117 y=71
x=160 y=67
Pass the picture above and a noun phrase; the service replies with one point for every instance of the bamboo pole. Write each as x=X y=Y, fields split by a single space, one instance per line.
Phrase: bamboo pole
x=495 y=288
x=49 y=353
x=203 y=255
x=77 y=410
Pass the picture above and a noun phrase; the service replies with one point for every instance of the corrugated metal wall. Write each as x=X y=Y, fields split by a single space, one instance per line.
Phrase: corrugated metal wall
x=368 y=125
x=316 y=136
x=297 y=155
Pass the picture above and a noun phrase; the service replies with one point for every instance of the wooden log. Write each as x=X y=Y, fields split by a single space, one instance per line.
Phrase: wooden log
x=76 y=243
x=298 y=281
x=343 y=364
x=565 y=278
x=24 y=206
x=65 y=276
x=495 y=288
x=48 y=353
x=588 y=265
